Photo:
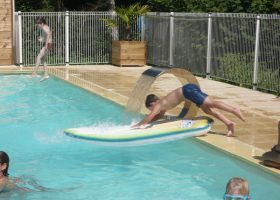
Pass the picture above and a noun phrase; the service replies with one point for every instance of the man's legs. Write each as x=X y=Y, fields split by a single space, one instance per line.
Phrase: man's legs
x=230 y=125
x=223 y=106
x=38 y=61
x=208 y=106
x=44 y=58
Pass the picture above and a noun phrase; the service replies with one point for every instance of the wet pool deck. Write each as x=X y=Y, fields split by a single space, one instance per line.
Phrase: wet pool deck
x=252 y=138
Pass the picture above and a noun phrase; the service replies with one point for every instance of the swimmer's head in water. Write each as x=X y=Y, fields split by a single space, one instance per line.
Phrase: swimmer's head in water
x=4 y=163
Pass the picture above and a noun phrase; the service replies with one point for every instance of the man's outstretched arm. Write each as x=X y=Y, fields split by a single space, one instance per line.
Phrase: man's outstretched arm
x=149 y=118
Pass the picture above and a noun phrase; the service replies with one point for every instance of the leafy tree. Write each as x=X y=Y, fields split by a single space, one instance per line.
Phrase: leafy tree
x=265 y=6
x=228 y=6
x=128 y=16
x=31 y=5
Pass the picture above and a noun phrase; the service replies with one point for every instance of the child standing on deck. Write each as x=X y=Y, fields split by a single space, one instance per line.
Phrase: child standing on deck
x=47 y=46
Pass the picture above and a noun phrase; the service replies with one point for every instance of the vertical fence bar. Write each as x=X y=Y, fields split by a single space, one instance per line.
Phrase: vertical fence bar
x=171 y=39
x=20 y=39
x=67 y=38
x=209 y=46
x=13 y=31
x=142 y=28
x=67 y=44
x=256 y=64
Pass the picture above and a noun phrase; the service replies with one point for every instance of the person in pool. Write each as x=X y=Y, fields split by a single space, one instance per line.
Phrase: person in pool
x=238 y=189
x=8 y=184
x=5 y=183
x=191 y=92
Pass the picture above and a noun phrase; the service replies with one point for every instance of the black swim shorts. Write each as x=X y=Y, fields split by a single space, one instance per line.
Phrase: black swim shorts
x=193 y=93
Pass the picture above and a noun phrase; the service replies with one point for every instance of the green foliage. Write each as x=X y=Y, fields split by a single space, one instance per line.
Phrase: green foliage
x=268 y=79
x=228 y=6
x=31 y=5
x=264 y=6
x=233 y=6
x=234 y=67
x=128 y=17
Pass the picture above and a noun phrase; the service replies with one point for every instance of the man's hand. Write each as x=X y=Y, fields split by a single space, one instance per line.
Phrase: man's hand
x=141 y=126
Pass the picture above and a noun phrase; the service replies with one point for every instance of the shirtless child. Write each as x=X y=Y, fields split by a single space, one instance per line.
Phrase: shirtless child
x=47 y=41
x=192 y=93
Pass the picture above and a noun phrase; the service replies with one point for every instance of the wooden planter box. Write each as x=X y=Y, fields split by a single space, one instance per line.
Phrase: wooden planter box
x=129 y=53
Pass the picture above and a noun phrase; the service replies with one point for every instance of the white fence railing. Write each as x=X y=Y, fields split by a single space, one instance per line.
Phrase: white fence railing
x=239 y=48
x=78 y=37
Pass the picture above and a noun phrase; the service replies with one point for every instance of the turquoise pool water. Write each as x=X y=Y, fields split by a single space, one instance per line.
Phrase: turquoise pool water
x=33 y=116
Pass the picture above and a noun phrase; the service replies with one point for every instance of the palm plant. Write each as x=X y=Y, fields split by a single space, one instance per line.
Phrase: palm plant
x=128 y=16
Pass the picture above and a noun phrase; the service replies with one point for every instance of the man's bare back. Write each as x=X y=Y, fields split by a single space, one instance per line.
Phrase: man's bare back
x=172 y=99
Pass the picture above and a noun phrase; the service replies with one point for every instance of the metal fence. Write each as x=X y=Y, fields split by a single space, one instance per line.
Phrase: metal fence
x=78 y=37
x=239 y=48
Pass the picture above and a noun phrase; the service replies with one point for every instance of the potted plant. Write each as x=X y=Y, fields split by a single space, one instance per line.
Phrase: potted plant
x=125 y=50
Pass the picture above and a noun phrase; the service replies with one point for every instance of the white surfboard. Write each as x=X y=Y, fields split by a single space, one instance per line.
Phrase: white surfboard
x=161 y=131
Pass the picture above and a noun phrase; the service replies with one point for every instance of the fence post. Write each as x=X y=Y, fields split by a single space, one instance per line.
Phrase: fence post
x=256 y=63
x=67 y=44
x=171 y=39
x=209 y=45
x=20 y=39
x=142 y=28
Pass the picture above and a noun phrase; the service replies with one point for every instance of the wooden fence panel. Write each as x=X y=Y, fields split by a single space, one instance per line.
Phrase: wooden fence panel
x=6 y=32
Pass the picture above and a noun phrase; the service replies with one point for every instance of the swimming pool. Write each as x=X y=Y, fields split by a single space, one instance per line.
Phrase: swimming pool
x=33 y=116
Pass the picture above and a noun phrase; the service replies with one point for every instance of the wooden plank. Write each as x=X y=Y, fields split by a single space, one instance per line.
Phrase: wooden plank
x=6 y=53
x=5 y=11
x=133 y=46
x=6 y=62
x=6 y=2
x=5 y=35
x=116 y=61
x=115 y=52
x=133 y=56
x=5 y=44
x=129 y=53
x=5 y=28
x=6 y=40
x=5 y=19
x=5 y=23
x=132 y=62
x=133 y=51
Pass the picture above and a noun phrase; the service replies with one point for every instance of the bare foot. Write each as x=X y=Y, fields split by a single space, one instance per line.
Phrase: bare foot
x=45 y=77
x=230 y=129
x=238 y=113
